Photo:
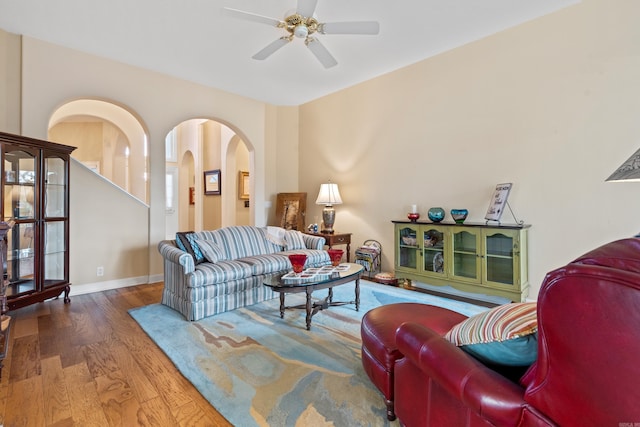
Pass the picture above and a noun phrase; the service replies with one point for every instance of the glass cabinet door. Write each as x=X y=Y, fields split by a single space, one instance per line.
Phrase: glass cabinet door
x=434 y=250
x=55 y=224
x=55 y=183
x=407 y=242
x=466 y=255
x=19 y=169
x=499 y=258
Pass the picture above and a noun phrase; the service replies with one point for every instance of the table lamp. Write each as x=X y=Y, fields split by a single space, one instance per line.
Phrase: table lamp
x=328 y=196
x=629 y=171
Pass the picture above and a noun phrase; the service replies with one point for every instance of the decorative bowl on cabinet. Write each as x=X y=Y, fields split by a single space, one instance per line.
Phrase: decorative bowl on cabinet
x=459 y=215
x=436 y=214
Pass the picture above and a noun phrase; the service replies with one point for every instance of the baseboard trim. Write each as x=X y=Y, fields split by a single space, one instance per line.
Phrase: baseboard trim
x=107 y=285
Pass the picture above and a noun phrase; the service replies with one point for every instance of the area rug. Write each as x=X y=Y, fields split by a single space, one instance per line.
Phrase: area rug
x=257 y=369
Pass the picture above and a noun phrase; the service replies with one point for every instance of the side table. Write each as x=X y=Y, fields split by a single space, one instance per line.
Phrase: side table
x=335 y=238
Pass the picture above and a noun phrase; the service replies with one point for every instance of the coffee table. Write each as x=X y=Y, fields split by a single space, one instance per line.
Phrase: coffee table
x=315 y=279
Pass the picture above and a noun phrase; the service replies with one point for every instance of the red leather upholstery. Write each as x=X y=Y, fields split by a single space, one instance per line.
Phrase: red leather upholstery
x=587 y=372
x=378 y=331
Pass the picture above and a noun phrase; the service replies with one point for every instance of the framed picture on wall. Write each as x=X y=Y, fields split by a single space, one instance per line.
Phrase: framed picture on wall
x=212 y=184
x=498 y=202
x=291 y=209
x=243 y=185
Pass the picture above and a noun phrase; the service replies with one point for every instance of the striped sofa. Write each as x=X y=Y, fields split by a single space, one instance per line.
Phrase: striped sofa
x=243 y=256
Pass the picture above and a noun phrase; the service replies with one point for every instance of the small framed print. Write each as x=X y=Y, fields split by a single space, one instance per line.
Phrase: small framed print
x=212 y=185
x=243 y=185
x=498 y=202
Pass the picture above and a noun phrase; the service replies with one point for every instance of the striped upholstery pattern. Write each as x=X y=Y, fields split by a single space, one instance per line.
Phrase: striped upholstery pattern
x=241 y=241
x=501 y=323
x=265 y=264
x=209 y=273
x=202 y=290
x=315 y=258
x=204 y=301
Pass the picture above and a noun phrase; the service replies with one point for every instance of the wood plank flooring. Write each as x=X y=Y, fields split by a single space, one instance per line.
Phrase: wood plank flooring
x=88 y=363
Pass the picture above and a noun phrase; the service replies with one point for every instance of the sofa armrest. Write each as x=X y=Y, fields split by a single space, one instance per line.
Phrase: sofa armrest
x=482 y=390
x=313 y=242
x=170 y=252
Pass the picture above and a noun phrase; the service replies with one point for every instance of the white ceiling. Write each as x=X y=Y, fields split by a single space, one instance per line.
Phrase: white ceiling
x=194 y=41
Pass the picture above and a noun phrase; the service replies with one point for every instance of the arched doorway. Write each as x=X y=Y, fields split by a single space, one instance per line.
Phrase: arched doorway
x=211 y=146
x=109 y=139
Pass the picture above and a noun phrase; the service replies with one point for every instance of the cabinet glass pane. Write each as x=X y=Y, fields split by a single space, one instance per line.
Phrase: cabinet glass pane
x=19 y=175
x=408 y=248
x=54 y=196
x=54 y=252
x=465 y=255
x=499 y=259
x=20 y=259
x=433 y=250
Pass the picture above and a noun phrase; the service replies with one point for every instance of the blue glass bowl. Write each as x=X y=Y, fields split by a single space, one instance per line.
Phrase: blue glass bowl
x=459 y=215
x=436 y=214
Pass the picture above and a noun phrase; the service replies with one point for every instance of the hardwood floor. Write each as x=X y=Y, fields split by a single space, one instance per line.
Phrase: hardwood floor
x=88 y=363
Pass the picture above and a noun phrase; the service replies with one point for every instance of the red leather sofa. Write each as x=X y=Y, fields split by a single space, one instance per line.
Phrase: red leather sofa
x=587 y=371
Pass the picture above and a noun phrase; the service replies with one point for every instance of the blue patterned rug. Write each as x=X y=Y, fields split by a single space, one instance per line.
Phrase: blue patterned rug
x=257 y=369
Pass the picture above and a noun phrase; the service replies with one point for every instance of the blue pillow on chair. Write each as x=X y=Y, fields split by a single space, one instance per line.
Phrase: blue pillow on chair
x=505 y=335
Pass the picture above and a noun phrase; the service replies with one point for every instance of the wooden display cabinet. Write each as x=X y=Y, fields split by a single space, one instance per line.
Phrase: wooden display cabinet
x=476 y=258
x=35 y=189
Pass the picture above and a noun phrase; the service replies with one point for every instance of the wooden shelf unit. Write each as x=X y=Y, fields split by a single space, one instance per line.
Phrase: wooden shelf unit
x=475 y=258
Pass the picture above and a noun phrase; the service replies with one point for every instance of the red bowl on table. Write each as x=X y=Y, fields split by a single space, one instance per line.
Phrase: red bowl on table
x=336 y=256
x=297 y=262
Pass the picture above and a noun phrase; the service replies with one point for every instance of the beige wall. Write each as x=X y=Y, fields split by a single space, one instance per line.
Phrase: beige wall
x=551 y=105
x=10 y=61
x=53 y=75
x=108 y=229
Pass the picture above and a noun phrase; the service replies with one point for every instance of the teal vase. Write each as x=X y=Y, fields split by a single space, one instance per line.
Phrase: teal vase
x=459 y=215
x=436 y=214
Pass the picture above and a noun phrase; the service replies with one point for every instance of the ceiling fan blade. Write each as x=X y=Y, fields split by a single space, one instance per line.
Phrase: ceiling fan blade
x=306 y=7
x=271 y=48
x=248 y=16
x=360 y=27
x=321 y=52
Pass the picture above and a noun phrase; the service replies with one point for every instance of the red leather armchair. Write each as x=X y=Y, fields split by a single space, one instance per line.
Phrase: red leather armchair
x=587 y=371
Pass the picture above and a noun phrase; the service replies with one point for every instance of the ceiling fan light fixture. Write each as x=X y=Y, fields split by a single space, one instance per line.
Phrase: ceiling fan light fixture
x=301 y=23
x=301 y=31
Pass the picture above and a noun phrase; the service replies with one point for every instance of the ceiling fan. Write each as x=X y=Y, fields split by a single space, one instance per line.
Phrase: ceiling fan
x=301 y=23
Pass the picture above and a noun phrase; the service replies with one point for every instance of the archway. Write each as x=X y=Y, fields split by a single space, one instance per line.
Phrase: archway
x=109 y=139
x=211 y=146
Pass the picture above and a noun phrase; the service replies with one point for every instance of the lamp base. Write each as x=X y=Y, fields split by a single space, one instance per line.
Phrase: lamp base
x=328 y=218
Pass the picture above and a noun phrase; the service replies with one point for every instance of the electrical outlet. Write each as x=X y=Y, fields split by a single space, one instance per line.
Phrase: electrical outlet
x=100 y=271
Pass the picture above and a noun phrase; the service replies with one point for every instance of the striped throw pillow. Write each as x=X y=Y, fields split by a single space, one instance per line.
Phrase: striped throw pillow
x=504 y=335
x=294 y=240
x=501 y=323
x=211 y=250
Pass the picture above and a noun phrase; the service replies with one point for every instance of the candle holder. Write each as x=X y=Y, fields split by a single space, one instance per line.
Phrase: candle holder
x=413 y=216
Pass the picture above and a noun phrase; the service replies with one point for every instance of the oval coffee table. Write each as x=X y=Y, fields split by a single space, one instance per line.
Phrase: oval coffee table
x=314 y=279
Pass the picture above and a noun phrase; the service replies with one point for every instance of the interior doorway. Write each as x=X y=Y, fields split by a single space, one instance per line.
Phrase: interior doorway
x=206 y=145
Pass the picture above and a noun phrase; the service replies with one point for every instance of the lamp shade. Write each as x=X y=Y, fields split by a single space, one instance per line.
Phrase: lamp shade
x=628 y=171
x=329 y=195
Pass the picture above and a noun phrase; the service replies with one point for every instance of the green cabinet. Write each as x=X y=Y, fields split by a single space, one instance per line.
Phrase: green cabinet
x=476 y=258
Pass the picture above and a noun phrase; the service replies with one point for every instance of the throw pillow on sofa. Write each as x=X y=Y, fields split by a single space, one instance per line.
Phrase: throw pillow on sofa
x=294 y=240
x=186 y=240
x=211 y=250
x=504 y=335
